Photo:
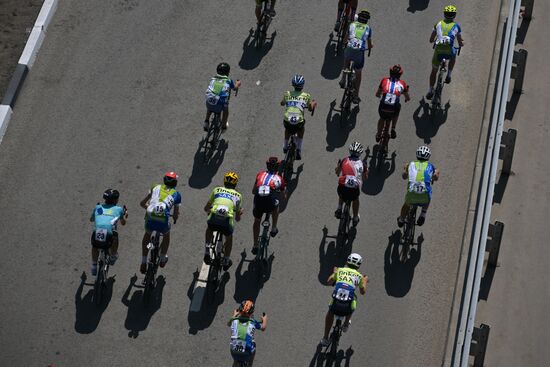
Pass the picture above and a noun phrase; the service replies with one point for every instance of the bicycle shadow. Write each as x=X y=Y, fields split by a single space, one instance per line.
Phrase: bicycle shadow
x=249 y=283
x=398 y=274
x=140 y=312
x=374 y=184
x=332 y=65
x=334 y=255
x=203 y=319
x=428 y=124
x=321 y=359
x=290 y=187
x=88 y=314
x=336 y=135
x=417 y=5
x=202 y=172
x=252 y=56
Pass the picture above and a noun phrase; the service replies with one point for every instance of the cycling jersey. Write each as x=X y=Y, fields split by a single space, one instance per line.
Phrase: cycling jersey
x=266 y=183
x=225 y=202
x=219 y=90
x=358 y=34
x=420 y=180
x=346 y=281
x=352 y=172
x=392 y=89
x=105 y=217
x=242 y=335
x=163 y=198
x=295 y=103
x=446 y=32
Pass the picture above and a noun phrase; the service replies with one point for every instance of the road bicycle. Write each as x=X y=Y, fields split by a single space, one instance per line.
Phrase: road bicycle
x=334 y=339
x=215 y=251
x=212 y=139
x=103 y=263
x=263 y=25
x=348 y=84
x=436 y=99
x=263 y=242
x=149 y=282
x=408 y=231
x=345 y=221
x=343 y=29
x=382 y=151
x=287 y=165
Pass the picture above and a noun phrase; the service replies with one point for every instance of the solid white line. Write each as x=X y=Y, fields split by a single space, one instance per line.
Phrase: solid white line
x=5 y=116
x=200 y=289
x=31 y=48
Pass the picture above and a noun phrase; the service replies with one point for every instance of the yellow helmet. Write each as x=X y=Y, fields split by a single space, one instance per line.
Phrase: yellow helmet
x=230 y=179
x=449 y=11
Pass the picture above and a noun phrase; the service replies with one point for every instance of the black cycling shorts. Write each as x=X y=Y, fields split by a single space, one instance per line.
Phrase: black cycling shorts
x=220 y=224
x=111 y=237
x=264 y=204
x=348 y=193
x=341 y=308
x=388 y=112
x=293 y=129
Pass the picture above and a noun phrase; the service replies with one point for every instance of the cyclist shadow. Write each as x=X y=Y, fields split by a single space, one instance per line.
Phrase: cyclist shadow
x=334 y=255
x=249 y=283
x=290 y=187
x=321 y=359
x=332 y=65
x=252 y=56
x=418 y=5
x=337 y=135
x=203 y=319
x=398 y=273
x=428 y=124
x=374 y=184
x=140 y=312
x=202 y=173
x=88 y=314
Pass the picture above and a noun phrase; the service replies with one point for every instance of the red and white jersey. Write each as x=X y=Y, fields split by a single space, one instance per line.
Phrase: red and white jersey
x=392 y=89
x=269 y=182
x=352 y=173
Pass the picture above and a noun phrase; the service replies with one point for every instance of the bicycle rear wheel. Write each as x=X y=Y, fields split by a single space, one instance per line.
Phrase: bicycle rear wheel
x=335 y=338
x=99 y=281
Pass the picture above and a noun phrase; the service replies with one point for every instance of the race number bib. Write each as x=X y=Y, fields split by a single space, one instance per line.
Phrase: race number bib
x=355 y=43
x=390 y=99
x=101 y=235
x=444 y=40
x=294 y=118
x=342 y=294
x=222 y=211
x=351 y=182
x=212 y=99
x=417 y=188
x=238 y=346
x=264 y=190
x=157 y=209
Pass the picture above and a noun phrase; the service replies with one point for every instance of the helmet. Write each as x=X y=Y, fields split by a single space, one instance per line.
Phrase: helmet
x=272 y=164
x=355 y=260
x=223 y=68
x=396 y=71
x=170 y=179
x=298 y=81
x=247 y=307
x=230 y=179
x=449 y=12
x=111 y=196
x=423 y=152
x=355 y=149
x=363 y=16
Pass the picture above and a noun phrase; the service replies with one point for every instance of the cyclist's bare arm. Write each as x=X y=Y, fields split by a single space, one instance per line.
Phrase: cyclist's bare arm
x=239 y=214
x=176 y=212
x=432 y=37
x=379 y=92
x=405 y=173
x=143 y=203
x=460 y=39
x=312 y=105
x=338 y=168
x=369 y=43
x=332 y=278
x=365 y=172
x=407 y=95
x=435 y=176
x=208 y=206
x=363 y=286
x=264 y=322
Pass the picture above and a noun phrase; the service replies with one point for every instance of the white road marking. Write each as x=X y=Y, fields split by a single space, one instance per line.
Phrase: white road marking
x=200 y=289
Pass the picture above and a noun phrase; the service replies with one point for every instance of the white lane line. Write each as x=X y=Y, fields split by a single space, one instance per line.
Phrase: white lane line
x=5 y=115
x=200 y=289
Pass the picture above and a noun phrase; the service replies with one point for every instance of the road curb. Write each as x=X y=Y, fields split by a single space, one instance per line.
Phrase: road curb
x=472 y=201
x=5 y=115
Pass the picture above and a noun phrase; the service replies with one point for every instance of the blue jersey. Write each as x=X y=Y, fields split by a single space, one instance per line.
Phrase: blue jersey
x=219 y=89
x=420 y=177
x=105 y=216
x=242 y=334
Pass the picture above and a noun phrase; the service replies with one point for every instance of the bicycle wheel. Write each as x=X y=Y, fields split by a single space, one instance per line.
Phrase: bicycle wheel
x=341 y=32
x=99 y=281
x=335 y=338
x=289 y=161
x=343 y=227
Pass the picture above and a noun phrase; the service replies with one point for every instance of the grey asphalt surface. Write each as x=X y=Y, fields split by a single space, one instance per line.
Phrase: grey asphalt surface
x=517 y=298
x=116 y=98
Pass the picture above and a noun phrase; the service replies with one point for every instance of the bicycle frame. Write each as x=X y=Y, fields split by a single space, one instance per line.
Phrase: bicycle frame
x=102 y=271
x=263 y=240
x=345 y=220
x=344 y=22
x=261 y=29
x=288 y=166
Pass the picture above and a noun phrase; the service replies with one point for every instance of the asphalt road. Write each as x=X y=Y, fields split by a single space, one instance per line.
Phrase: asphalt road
x=116 y=98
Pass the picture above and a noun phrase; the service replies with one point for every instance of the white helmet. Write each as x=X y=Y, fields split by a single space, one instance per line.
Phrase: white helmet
x=355 y=149
x=355 y=260
x=423 y=152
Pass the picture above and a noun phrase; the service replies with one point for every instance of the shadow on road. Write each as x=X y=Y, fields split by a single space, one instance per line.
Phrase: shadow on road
x=374 y=184
x=140 y=313
x=290 y=187
x=332 y=65
x=336 y=134
x=252 y=56
x=398 y=274
x=427 y=125
x=249 y=283
x=334 y=254
x=88 y=314
x=417 y=5
x=202 y=173
x=342 y=358
x=203 y=319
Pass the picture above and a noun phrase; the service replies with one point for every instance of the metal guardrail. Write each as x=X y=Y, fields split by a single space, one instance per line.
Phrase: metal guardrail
x=470 y=296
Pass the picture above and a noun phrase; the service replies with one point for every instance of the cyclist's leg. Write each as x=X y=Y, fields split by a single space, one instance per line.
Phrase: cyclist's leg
x=339 y=14
x=452 y=62
x=275 y=216
x=299 y=140
x=95 y=256
x=272 y=8
x=258 y=10
x=329 y=319
x=286 y=136
x=422 y=218
x=353 y=9
x=355 y=208
x=359 y=62
x=348 y=317
x=225 y=116
x=113 y=250
x=433 y=74
x=164 y=248
x=338 y=212
x=257 y=213
x=394 y=119
x=144 y=251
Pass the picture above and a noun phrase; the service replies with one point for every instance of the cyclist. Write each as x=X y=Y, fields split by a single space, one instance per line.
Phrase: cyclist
x=358 y=40
x=105 y=217
x=341 y=6
x=218 y=93
x=420 y=173
x=223 y=207
x=243 y=326
x=158 y=205
x=267 y=187
x=444 y=34
x=390 y=89
x=295 y=102
x=271 y=10
x=351 y=171
x=344 y=302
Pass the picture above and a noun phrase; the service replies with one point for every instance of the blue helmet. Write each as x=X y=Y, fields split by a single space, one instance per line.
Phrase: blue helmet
x=298 y=81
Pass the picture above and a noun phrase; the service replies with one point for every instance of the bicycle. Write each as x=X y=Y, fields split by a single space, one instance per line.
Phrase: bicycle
x=382 y=151
x=149 y=282
x=287 y=166
x=349 y=93
x=335 y=336
x=342 y=31
x=436 y=99
x=212 y=139
x=103 y=263
x=263 y=25
x=263 y=242
x=408 y=231
x=345 y=220
x=216 y=255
